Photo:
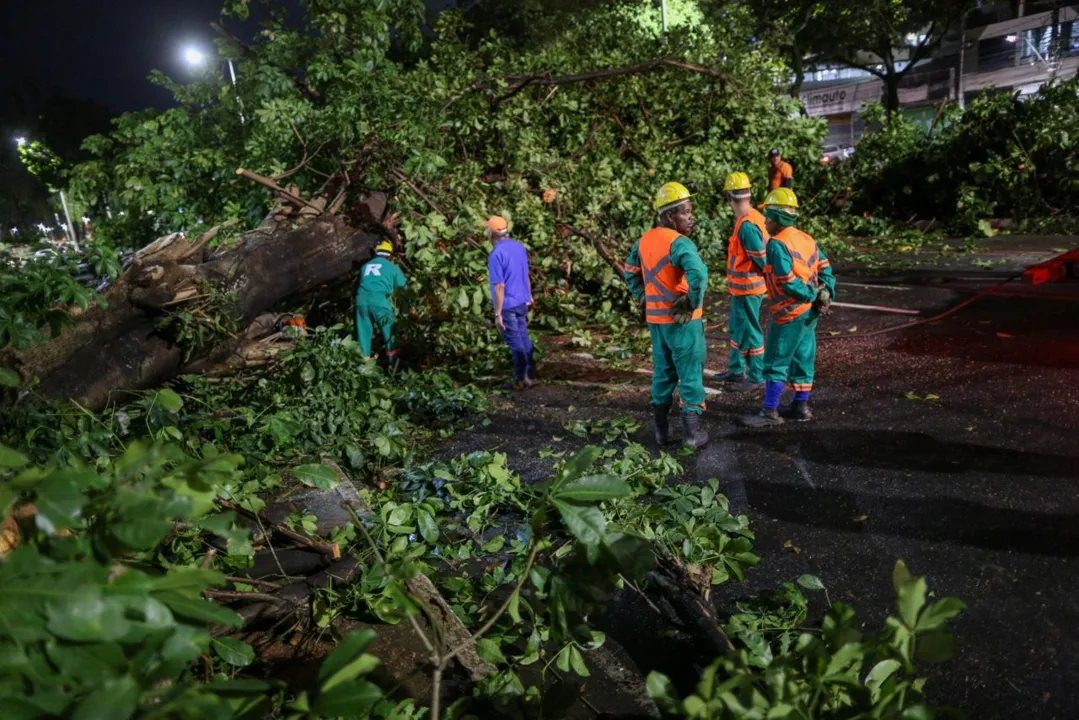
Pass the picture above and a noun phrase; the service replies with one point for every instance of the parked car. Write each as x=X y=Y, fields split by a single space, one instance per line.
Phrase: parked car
x=835 y=154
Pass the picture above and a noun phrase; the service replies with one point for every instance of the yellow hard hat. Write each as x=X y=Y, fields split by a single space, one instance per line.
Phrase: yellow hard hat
x=384 y=247
x=671 y=193
x=736 y=181
x=782 y=198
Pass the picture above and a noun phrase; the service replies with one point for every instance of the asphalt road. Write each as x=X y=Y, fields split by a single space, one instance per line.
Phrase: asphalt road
x=977 y=489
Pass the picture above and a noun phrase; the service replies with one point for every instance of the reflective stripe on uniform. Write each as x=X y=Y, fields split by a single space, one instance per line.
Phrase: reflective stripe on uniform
x=802 y=387
x=633 y=269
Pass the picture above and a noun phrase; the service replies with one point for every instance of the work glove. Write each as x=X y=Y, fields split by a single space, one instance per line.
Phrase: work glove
x=681 y=310
x=823 y=303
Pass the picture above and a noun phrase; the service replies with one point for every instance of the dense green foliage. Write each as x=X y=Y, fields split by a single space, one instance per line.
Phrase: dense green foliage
x=1001 y=157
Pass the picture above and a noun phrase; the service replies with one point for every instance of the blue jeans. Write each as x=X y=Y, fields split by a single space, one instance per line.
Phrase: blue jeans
x=516 y=337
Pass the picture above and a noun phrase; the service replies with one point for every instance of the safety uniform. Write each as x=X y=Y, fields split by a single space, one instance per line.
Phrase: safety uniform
x=379 y=279
x=780 y=176
x=746 y=261
x=662 y=267
x=796 y=270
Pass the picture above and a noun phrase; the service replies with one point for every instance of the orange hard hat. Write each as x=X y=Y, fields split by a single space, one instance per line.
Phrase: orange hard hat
x=497 y=224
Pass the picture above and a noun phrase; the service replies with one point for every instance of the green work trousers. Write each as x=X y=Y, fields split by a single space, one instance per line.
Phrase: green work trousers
x=790 y=355
x=747 y=338
x=369 y=317
x=678 y=355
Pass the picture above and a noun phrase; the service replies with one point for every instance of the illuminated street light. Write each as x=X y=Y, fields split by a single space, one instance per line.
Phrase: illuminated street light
x=197 y=58
x=1012 y=38
x=194 y=57
x=20 y=141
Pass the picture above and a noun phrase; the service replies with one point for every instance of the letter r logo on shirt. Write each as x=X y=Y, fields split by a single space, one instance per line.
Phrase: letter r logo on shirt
x=372 y=270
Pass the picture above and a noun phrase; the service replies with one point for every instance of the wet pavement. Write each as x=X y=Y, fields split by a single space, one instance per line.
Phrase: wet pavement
x=976 y=488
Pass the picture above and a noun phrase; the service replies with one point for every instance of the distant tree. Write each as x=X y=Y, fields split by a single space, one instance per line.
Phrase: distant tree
x=885 y=38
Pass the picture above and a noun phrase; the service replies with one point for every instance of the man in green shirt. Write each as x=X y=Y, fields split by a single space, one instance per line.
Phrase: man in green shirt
x=665 y=273
x=379 y=279
x=801 y=285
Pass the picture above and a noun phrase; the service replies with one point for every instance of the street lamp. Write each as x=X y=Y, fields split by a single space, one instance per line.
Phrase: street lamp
x=194 y=57
x=197 y=58
x=21 y=142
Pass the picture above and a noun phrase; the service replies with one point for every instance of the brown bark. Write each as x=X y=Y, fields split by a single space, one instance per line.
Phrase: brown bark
x=118 y=347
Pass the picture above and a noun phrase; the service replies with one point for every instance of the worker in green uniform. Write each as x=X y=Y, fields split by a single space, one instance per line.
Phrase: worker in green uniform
x=666 y=275
x=745 y=283
x=801 y=285
x=379 y=279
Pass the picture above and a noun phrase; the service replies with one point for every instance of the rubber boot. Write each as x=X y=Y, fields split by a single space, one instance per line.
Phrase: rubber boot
x=732 y=378
x=661 y=425
x=798 y=412
x=692 y=435
x=746 y=386
x=765 y=418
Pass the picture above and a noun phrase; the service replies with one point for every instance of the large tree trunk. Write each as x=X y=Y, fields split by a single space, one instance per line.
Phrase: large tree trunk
x=119 y=346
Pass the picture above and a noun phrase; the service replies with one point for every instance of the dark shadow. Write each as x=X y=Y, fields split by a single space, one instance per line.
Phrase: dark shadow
x=916 y=452
x=948 y=520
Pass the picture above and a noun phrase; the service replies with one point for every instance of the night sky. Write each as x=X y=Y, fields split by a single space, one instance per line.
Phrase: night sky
x=104 y=49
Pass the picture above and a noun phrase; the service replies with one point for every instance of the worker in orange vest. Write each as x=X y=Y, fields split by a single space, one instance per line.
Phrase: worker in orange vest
x=745 y=283
x=781 y=173
x=665 y=273
x=801 y=284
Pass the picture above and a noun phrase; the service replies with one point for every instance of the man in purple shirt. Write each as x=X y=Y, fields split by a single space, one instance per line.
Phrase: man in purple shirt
x=511 y=291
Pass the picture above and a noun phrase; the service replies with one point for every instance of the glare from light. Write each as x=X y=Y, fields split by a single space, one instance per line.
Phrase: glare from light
x=194 y=57
x=20 y=141
x=1012 y=38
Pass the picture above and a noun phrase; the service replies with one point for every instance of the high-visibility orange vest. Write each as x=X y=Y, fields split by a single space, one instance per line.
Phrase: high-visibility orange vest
x=663 y=282
x=776 y=175
x=805 y=266
x=743 y=275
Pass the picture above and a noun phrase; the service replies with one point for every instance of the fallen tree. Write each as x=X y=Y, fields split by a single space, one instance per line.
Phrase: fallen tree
x=120 y=343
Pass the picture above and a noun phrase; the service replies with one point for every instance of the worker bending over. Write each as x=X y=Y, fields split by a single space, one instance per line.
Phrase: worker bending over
x=379 y=279
x=745 y=282
x=801 y=286
x=665 y=272
x=781 y=173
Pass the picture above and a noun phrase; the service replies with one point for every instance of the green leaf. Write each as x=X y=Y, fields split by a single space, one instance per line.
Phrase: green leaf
x=316 y=476
x=940 y=612
x=350 y=647
x=661 y=690
x=59 y=502
x=514 y=608
x=87 y=616
x=576 y=466
x=935 y=646
x=11 y=459
x=911 y=601
x=235 y=652
x=189 y=580
x=349 y=700
x=594 y=488
x=490 y=651
x=900 y=575
x=169 y=400
x=200 y=610
x=115 y=700
x=9 y=378
x=587 y=524
x=811 y=582
x=880 y=672
x=576 y=661
x=428 y=526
